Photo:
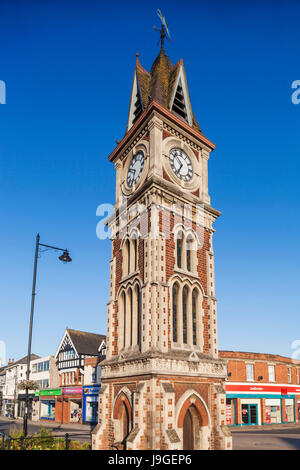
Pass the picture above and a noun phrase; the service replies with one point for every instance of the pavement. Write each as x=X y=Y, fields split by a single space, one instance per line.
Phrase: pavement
x=277 y=437
x=77 y=431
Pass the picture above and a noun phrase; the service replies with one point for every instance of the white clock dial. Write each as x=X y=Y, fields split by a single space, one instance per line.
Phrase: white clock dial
x=181 y=164
x=135 y=169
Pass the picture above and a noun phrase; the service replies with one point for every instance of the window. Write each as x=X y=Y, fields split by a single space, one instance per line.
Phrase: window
x=139 y=317
x=289 y=371
x=297 y=375
x=184 y=314
x=194 y=316
x=249 y=372
x=131 y=316
x=271 y=370
x=189 y=247
x=179 y=249
x=174 y=302
x=94 y=374
x=124 y=318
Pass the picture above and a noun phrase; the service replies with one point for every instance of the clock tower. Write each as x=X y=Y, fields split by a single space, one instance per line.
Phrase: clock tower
x=162 y=379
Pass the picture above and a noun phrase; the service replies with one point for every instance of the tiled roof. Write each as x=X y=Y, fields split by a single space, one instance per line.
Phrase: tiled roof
x=24 y=360
x=159 y=83
x=86 y=343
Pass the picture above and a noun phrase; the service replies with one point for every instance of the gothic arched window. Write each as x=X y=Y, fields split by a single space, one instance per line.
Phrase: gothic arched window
x=124 y=318
x=128 y=256
x=175 y=308
x=135 y=254
x=189 y=247
x=194 y=315
x=179 y=244
x=184 y=314
x=139 y=317
x=130 y=316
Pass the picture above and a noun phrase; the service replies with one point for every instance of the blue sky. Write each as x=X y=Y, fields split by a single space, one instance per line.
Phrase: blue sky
x=68 y=69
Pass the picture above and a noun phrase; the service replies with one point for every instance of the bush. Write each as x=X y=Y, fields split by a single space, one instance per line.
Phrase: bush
x=42 y=440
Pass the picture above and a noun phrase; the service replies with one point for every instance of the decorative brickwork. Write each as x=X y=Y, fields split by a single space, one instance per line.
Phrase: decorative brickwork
x=162 y=366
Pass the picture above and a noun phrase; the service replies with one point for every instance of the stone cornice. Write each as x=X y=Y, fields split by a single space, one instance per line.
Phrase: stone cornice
x=151 y=111
x=164 y=364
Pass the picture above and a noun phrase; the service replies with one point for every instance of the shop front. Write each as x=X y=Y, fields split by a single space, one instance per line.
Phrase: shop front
x=21 y=404
x=9 y=408
x=69 y=405
x=261 y=404
x=48 y=400
x=90 y=404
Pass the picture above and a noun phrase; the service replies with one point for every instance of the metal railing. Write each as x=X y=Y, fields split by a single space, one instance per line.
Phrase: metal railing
x=51 y=442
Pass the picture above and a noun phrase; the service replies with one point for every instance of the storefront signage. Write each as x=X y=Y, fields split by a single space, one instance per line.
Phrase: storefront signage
x=51 y=392
x=91 y=390
x=230 y=388
x=228 y=415
x=72 y=390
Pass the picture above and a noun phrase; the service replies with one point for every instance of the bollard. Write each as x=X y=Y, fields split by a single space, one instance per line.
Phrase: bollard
x=67 y=441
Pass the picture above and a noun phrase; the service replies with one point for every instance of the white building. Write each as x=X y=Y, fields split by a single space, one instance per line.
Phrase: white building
x=43 y=371
x=15 y=372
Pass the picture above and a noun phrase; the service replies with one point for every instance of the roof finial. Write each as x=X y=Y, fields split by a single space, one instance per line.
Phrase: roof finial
x=164 y=31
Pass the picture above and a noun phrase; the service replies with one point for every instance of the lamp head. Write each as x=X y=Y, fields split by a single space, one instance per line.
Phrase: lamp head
x=65 y=257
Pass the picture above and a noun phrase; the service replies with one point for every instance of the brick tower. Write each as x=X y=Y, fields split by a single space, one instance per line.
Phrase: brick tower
x=162 y=380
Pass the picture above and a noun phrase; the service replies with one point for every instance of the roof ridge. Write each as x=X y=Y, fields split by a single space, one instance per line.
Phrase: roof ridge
x=138 y=65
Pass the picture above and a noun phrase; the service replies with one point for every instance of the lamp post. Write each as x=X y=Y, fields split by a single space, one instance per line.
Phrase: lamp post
x=65 y=258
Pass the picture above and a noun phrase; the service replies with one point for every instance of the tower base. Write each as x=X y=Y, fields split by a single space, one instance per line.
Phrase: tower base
x=142 y=408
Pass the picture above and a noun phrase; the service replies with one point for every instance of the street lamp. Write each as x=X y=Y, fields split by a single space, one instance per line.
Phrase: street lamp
x=65 y=258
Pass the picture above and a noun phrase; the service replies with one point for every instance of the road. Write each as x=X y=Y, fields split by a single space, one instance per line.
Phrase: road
x=77 y=432
x=273 y=439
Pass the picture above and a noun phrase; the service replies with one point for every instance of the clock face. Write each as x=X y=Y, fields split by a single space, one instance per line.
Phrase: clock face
x=135 y=169
x=181 y=164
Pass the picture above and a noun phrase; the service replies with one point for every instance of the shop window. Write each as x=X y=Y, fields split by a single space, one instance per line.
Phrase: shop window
x=249 y=372
x=230 y=411
x=289 y=410
x=273 y=411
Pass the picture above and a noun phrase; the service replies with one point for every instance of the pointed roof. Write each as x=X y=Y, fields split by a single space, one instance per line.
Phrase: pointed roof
x=86 y=343
x=164 y=84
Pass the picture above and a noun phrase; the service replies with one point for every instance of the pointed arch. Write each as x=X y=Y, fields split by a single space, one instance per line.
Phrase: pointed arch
x=180 y=103
x=195 y=297
x=179 y=248
x=136 y=104
x=188 y=399
x=122 y=413
x=185 y=294
x=175 y=299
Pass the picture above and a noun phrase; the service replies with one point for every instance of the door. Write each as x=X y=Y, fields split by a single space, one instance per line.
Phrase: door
x=188 y=432
x=249 y=414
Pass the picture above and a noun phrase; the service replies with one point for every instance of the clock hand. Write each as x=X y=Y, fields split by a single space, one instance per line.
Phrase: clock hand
x=180 y=166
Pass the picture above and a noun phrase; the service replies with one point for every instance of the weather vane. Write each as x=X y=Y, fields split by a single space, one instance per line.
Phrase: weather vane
x=164 y=31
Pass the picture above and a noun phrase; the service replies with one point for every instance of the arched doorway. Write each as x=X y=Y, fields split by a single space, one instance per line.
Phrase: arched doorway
x=122 y=415
x=188 y=432
x=124 y=418
x=193 y=424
